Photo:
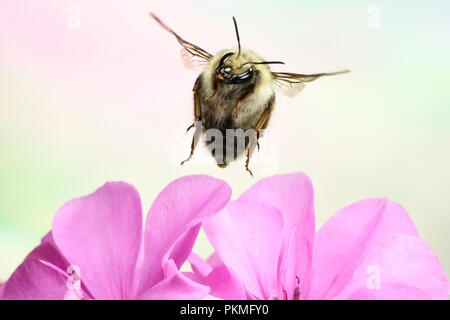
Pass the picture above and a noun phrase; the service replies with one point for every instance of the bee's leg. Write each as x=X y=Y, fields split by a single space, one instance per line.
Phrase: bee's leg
x=197 y=107
x=195 y=139
x=257 y=140
x=241 y=99
x=253 y=143
x=197 y=113
x=190 y=127
x=246 y=163
x=197 y=124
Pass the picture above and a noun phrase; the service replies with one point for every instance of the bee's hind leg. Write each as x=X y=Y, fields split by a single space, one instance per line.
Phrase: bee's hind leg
x=246 y=163
x=257 y=140
x=253 y=143
x=197 y=125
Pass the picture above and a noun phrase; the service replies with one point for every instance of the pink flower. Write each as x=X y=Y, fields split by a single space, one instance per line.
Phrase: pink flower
x=268 y=249
x=101 y=235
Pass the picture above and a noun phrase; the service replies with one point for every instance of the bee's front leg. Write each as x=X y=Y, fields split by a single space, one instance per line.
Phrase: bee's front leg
x=197 y=124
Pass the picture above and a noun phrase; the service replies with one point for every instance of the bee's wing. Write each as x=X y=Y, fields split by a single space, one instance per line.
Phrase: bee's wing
x=290 y=84
x=192 y=56
x=192 y=61
x=289 y=88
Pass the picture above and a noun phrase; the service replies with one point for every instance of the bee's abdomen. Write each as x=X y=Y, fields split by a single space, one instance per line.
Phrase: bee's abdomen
x=218 y=115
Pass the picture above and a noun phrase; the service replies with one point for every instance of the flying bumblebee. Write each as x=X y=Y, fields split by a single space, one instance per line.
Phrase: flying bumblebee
x=235 y=91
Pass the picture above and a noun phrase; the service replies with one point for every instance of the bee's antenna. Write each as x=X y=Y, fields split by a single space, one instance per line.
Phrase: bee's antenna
x=263 y=62
x=237 y=35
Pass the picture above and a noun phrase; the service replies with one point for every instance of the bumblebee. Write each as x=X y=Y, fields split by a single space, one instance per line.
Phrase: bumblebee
x=235 y=93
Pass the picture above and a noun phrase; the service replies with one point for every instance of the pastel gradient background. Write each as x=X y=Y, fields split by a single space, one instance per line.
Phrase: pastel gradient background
x=110 y=100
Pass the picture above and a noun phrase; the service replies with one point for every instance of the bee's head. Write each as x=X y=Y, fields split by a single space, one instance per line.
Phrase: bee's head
x=230 y=71
x=235 y=68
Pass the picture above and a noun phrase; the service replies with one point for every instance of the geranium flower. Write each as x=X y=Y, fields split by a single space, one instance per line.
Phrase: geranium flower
x=101 y=235
x=266 y=248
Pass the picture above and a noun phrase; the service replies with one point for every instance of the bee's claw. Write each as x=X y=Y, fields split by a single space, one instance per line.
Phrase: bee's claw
x=189 y=128
x=246 y=165
x=249 y=171
x=189 y=158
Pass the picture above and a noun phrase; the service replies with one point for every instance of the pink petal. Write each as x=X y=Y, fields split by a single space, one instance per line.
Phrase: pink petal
x=175 y=287
x=214 y=260
x=247 y=235
x=293 y=195
x=224 y=283
x=401 y=266
x=184 y=245
x=101 y=234
x=390 y=292
x=348 y=236
x=33 y=280
x=181 y=206
x=199 y=266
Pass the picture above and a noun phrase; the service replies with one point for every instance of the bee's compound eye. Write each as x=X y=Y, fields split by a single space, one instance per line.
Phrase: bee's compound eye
x=225 y=58
x=226 y=71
